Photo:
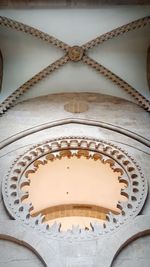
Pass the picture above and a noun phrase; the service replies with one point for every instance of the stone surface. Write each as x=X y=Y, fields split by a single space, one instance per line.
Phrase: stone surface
x=137 y=253
x=133 y=137
x=109 y=109
x=13 y=255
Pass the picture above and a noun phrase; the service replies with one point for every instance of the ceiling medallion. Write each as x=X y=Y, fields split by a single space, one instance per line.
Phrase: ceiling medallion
x=75 y=53
x=135 y=190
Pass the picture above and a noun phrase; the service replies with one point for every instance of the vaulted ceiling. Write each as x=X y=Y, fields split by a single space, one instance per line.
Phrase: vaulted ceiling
x=24 y=55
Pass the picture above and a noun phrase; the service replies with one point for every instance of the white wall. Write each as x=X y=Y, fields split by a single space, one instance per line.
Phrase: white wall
x=24 y=55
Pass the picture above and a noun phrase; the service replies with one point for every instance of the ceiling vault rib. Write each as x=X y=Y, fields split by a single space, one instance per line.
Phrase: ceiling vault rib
x=75 y=53
x=134 y=25
x=140 y=99
x=10 y=100
x=9 y=23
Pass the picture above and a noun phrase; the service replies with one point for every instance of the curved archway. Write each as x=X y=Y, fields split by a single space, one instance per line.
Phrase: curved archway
x=12 y=231
x=17 y=249
x=140 y=227
x=66 y=121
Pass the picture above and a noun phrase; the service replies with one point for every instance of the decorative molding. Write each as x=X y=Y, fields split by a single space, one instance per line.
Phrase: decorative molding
x=87 y=122
x=136 y=190
x=75 y=53
x=11 y=230
x=49 y=252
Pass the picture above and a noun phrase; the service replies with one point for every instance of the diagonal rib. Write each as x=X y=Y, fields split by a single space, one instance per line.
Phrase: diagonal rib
x=137 y=24
x=9 y=23
x=140 y=99
x=10 y=101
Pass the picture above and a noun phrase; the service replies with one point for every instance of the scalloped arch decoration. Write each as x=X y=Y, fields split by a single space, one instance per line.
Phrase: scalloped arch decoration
x=136 y=191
